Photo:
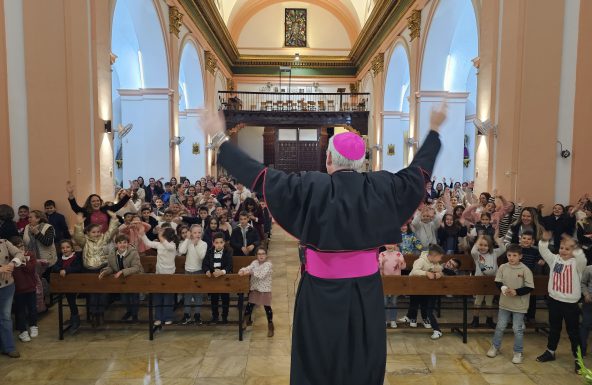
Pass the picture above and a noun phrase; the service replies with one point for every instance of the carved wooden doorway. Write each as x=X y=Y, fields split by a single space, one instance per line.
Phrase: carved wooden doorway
x=297 y=149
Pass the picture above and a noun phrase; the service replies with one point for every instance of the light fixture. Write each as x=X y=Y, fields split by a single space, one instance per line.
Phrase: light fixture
x=296 y=57
x=411 y=142
x=176 y=140
x=564 y=153
x=108 y=128
x=483 y=128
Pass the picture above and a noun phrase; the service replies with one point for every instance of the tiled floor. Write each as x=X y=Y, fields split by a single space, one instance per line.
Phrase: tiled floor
x=214 y=356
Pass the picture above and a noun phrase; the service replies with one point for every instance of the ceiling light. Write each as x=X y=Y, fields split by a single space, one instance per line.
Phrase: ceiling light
x=296 y=56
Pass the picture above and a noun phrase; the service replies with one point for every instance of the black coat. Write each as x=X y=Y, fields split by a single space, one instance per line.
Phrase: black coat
x=8 y=230
x=208 y=262
x=236 y=240
x=150 y=194
x=115 y=207
x=563 y=224
x=75 y=266
x=58 y=221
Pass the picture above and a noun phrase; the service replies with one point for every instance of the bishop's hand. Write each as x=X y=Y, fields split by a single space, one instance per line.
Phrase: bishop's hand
x=213 y=123
x=438 y=116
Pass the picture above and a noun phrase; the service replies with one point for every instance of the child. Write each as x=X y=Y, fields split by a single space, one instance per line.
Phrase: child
x=391 y=262
x=167 y=219
x=586 y=308
x=409 y=242
x=515 y=281
x=533 y=260
x=93 y=242
x=449 y=233
x=565 y=291
x=485 y=257
x=166 y=251
x=260 y=294
x=23 y=214
x=218 y=261
x=244 y=238
x=425 y=224
x=134 y=231
x=427 y=265
x=70 y=262
x=483 y=227
x=25 y=296
x=450 y=267
x=124 y=261
x=195 y=250
x=150 y=220
x=58 y=221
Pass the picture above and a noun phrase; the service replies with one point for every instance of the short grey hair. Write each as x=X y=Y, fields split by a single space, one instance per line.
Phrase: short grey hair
x=342 y=162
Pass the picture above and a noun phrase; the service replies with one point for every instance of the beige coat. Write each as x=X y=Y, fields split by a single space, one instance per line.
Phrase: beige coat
x=9 y=253
x=131 y=263
x=423 y=265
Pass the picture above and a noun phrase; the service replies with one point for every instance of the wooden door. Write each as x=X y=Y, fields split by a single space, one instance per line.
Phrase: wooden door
x=297 y=149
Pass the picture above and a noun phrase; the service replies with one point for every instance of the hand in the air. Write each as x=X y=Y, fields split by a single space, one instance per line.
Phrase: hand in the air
x=438 y=116
x=213 y=123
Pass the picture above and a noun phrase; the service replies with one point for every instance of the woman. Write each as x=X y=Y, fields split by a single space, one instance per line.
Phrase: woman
x=94 y=209
x=10 y=257
x=584 y=231
x=38 y=238
x=528 y=221
x=7 y=224
x=559 y=222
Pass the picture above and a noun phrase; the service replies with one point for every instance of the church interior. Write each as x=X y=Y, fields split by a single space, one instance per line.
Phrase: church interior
x=105 y=99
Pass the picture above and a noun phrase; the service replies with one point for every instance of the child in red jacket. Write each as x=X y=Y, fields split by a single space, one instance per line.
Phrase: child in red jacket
x=25 y=297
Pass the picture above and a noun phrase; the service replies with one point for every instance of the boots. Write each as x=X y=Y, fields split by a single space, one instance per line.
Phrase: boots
x=475 y=323
x=74 y=323
x=270 y=329
x=489 y=322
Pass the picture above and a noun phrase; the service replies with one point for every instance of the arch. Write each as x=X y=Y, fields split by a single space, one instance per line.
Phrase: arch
x=191 y=82
x=398 y=81
x=242 y=13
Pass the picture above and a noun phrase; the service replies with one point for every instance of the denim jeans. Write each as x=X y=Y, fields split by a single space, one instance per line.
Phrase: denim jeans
x=197 y=298
x=586 y=325
x=390 y=301
x=6 y=339
x=503 y=318
x=163 y=306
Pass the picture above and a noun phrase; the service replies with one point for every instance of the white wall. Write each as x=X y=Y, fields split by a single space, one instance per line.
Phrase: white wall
x=193 y=166
x=250 y=140
x=264 y=32
x=393 y=131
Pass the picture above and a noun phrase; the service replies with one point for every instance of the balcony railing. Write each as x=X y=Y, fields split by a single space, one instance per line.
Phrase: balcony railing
x=292 y=102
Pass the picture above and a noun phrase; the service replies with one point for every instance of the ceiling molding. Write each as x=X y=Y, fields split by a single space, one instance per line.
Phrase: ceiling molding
x=385 y=15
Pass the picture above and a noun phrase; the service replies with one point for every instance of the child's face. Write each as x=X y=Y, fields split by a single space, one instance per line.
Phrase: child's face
x=145 y=214
x=557 y=210
x=440 y=206
x=168 y=217
x=218 y=211
x=435 y=257
x=196 y=233
x=218 y=243
x=454 y=201
x=66 y=248
x=50 y=209
x=243 y=220
x=203 y=214
x=261 y=256
x=159 y=203
x=128 y=218
x=426 y=216
x=526 y=241
x=404 y=228
x=122 y=246
x=490 y=207
x=449 y=220
x=23 y=213
x=451 y=265
x=514 y=258
x=482 y=246
x=485 y=221
x=214 y=224
x=95 y=233
x=184 y=233
x=566 y=249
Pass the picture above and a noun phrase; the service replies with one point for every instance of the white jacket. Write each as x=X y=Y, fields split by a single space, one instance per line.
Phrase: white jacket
x=194 y=254
x=566 y=276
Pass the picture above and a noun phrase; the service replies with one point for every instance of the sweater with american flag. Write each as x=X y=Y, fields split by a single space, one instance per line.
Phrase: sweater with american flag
x=566 y=275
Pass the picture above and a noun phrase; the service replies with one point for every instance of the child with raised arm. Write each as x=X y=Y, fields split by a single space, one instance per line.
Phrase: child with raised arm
x=391 y=262
x=515 y=281
x=485 y=257
x=261 y=273
x=565 y=292
x=425 y=224
x=194 y=249
x=166 y=251
x=409 y=242
x=218 y=262
x=124 y=261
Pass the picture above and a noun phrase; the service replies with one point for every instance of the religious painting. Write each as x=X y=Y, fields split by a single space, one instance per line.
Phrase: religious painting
x=295 y=27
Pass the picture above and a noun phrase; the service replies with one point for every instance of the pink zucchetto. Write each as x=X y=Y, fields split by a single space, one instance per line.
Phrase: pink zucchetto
x=349 y=145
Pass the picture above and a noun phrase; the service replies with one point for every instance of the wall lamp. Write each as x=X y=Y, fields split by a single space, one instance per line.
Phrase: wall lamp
x=176 y=140
x=108 y=128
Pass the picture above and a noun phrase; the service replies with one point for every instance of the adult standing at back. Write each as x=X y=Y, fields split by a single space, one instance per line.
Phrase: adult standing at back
x=342 y=218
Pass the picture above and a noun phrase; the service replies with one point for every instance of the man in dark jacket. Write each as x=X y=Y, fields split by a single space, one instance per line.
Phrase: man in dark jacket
x=244 y=239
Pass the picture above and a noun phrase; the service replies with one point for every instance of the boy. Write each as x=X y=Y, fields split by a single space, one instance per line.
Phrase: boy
x=244 y=238
x=58 y=221
x=218 y=262
x=515 y=281
x=586 y=308
x=427 y=265
x=167 y=219
x=450 y=267
x=564 y=293
x=23 y=214
x=425 y=224
x=533 y=260
x=124 y=261
x=203 y=218
x=166 y=195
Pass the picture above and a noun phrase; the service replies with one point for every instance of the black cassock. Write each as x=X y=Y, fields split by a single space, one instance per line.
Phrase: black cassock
x=339 y=334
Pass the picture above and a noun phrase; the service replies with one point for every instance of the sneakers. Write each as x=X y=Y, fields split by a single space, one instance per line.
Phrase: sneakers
x=157 y=323
x=186 y=320
x=427 y=324
x=34 y=332
x=546 y=357
x=475 y=323
x=492 y=352
x=517 y=359
x=24 y=336
x=393 y=324
x=13 y=354
x=489 y=322
x=404 y=320
x=197 y=319
x=169 y=322
x=436 y=335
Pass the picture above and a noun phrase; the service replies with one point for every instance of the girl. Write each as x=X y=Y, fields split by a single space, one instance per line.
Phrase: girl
x=182 y=232
x=485 y=257
x=584 y=232
x=141 y=182
x=166 y=251
x=134 y=232
x=7 y=224
x=409 y=243
x=528 y=220
x=561 y=221
x=70 y=262
x=194 y=249
x=260 y=294
x=391 y=262
x=95 y=211
x=93 y=241
x=223 y=224
x=213 y=228
x=190 y=206
x=449 y=233
x=25 y=298
x=150 y=220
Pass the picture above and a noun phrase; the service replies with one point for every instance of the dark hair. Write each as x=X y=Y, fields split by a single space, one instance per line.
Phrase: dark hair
x=88 y=228
x=16 y=241
x=87 y=207
x=121 y=238
x=457 y=261
x=218 y=235
x=588 y=206
x=202 y=208
x=6 y=213
x=528 y=233
x=68 y=241
x=484 y=214
x=243 y=214
x=436 y=250
x=23 y=207
x=168 y=211
x=49 y=203
x=260 y=248
x=486 y=195
x=169 y=234
x=167 y=184
x=514 y=248
x=250 y=202
x=128 y=213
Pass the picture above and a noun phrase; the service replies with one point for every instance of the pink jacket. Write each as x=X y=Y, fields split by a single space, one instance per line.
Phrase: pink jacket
x=391 y=262
x=471 y=216
x=135 y=236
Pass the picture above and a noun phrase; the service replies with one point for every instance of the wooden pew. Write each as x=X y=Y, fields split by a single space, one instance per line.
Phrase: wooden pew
x=150 y=284
x=467 y=262
x=464 y=286
x=149 y=263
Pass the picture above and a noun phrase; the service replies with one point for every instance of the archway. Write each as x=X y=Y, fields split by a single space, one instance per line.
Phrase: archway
x=368 y=87
x=395 y=125
x=448 y=73
x=191 y=104
x=140 y=92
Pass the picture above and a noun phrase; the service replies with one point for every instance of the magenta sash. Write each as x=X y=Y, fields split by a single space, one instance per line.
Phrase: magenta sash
x=348 y=264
